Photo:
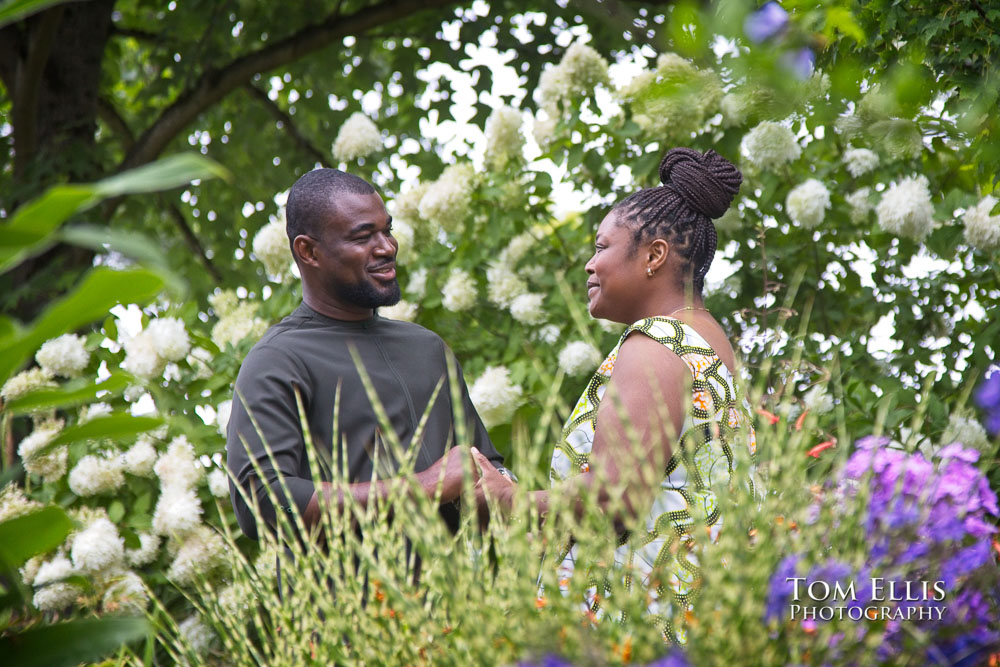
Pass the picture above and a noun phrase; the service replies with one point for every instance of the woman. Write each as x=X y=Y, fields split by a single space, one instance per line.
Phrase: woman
x=665 y=398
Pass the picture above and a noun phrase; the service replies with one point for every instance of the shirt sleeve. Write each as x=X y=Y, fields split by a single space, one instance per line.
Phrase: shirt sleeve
x=265 y=414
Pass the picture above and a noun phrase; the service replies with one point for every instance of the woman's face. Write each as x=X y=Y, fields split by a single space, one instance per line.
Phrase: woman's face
x=614 y=273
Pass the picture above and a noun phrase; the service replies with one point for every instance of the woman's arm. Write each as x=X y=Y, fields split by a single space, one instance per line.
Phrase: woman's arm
x=641 y=414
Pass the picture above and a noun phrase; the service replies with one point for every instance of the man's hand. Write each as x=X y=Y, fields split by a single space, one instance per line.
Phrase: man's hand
x=449 y=471
x=492 y=484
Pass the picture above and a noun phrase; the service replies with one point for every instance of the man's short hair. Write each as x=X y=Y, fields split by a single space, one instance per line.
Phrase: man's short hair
x=314 y=197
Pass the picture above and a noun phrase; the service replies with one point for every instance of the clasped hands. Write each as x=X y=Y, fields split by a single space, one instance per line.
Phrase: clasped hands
x=452 y=468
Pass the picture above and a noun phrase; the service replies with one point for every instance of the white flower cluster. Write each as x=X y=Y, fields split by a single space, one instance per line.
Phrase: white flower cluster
x=818 y=399
x=140 y=457
x=65 y=356
x=98 y=548
x=807 y=203
x=966 y=430
x=237 y=320
x=446 y=201
x=518 y=247
x=674 y=100
x=417 y=284
x=218 y=483
x=459 y=291
x=126 y=594
x=580 y=71
x=357 y=137
x=164 y=340
x=196 y=634
x=270 y=247
x=548 y=334
x=503 y=285
x=222 y=414
x=93 y=475
x=51 y=593
x=403 y=310
x=860 y=203
x=527 y=308
x=770 y=145
x=149 y=546
x=860 y=161
x=495 y=396
x=178 y=509
x=404 y=235
x=906 y=209
x=406 y=205
x=26 y=382
x=201 y=552
x=13 y=503
x=504 y=139
x=52 y=464
x=579 y=357
x=982 y=230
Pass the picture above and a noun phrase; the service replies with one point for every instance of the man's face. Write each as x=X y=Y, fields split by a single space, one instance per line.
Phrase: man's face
x=357 y=254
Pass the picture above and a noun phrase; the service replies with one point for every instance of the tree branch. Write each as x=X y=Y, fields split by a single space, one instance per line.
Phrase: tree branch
x=137 y=34
x=287 y=125
x=27 y=82
x=215 y=84
x=109 y=114
x=191 y=238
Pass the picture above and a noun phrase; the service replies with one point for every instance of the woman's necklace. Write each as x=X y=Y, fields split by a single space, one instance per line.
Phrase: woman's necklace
x=686 y=308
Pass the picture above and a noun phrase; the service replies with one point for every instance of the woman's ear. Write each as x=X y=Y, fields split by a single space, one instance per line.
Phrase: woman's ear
x=656 y=254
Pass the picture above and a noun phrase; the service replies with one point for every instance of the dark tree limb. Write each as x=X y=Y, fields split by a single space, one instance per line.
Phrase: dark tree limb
x=27 y=84
x=109 y=114
x=215 y=84
x=288 y=125
x=192 y=240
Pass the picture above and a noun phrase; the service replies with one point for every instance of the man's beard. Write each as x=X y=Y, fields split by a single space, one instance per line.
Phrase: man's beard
x=367 y=295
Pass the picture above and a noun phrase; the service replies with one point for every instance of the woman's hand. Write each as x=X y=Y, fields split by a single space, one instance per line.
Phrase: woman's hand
x=492 y=486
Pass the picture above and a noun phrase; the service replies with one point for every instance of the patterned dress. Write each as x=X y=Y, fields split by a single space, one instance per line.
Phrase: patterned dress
x=717 y=419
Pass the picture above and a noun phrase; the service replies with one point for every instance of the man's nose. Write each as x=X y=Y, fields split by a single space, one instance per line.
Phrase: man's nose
x=387 y=245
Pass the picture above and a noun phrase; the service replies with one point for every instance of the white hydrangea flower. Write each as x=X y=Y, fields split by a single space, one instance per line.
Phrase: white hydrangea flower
x=966 y=430
x=178 y=466
x=770 y=145
x=579 y=357
x=417 y=284
x=198 y=359
x=141 y=356
x=56 y=597
x=503 y=285
x=504 y=140
x=170 y=338
x=818 y=400
x=222 y=414
x=178 y=511
x=807 y=203
x=734 y=109
x=357 y=137
x=404 y=235
x=196 y=634
x=218 y=483
x=50 y=465
x=30 y=569
x=527 y=308
x=674 y=101
x=859 y=161
x=202 y=551
x=13 y=503
x=237 y=324
x=579 y=72
x=610 y=326
x=459 y=291
x=270 y=247
x=140 y=458
x=26 y=382
x=93 y=475
x=98 y=548
x=127 y=593
x=534 y=272
x=403 y=310
x=233 y=599
x=93 y=411
x=446 y=201
x=65 y=356
x=406 y=205
x=982 y=230
x=518 y=247
x=495 y=396
x=860 y=203
x=149 y=547
x=224 y=303
x=57 y=568
x=906 y=209
x=548 y=334
x=544 y=129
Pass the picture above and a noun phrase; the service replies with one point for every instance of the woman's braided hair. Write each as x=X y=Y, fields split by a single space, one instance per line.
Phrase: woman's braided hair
x=696 y=189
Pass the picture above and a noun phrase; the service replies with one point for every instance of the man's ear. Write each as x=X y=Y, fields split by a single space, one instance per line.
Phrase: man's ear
x=304 y=248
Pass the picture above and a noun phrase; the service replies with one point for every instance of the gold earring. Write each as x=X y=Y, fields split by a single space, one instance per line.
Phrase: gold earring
x=649 y=272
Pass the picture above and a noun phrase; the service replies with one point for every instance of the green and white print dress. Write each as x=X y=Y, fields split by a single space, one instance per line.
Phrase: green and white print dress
x=718 y=419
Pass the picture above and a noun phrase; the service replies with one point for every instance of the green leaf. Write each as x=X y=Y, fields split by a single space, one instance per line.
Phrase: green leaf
x=17 y=10
x=164 y=174
x=24 y=536
x=31 y=227
x=71 y=643
x=72 y=393
x=110 y=426
x=101 y=289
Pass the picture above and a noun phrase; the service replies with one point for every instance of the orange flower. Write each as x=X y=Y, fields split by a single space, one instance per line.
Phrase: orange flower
x=540 y=602
x=820 y=448
x=625 y=648
x=770 y=416
x=801 y=420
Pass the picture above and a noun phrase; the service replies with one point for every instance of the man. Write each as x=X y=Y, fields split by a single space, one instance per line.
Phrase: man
x=341 y=239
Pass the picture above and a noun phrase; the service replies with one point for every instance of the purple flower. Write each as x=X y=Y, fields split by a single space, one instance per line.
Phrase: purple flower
x=780 y=590
x=675 y=658
x=988 y=398
x=800 y=61
x=766 y=22
x=957 y=451
x=548 y=660
x=966 y=560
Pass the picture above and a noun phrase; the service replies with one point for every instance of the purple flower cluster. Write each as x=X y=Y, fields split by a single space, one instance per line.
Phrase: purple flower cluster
x=925 y=521
x=766 y=22
x=675 y=658
x=988 y=398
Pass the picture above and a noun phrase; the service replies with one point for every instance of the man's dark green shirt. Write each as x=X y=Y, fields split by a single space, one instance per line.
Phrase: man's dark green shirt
x=310 y=354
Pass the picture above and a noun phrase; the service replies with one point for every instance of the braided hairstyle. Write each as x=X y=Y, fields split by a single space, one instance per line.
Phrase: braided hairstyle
x=696 y=189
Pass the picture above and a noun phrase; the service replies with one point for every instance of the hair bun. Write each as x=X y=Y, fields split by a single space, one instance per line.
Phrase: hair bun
x=706 y=182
